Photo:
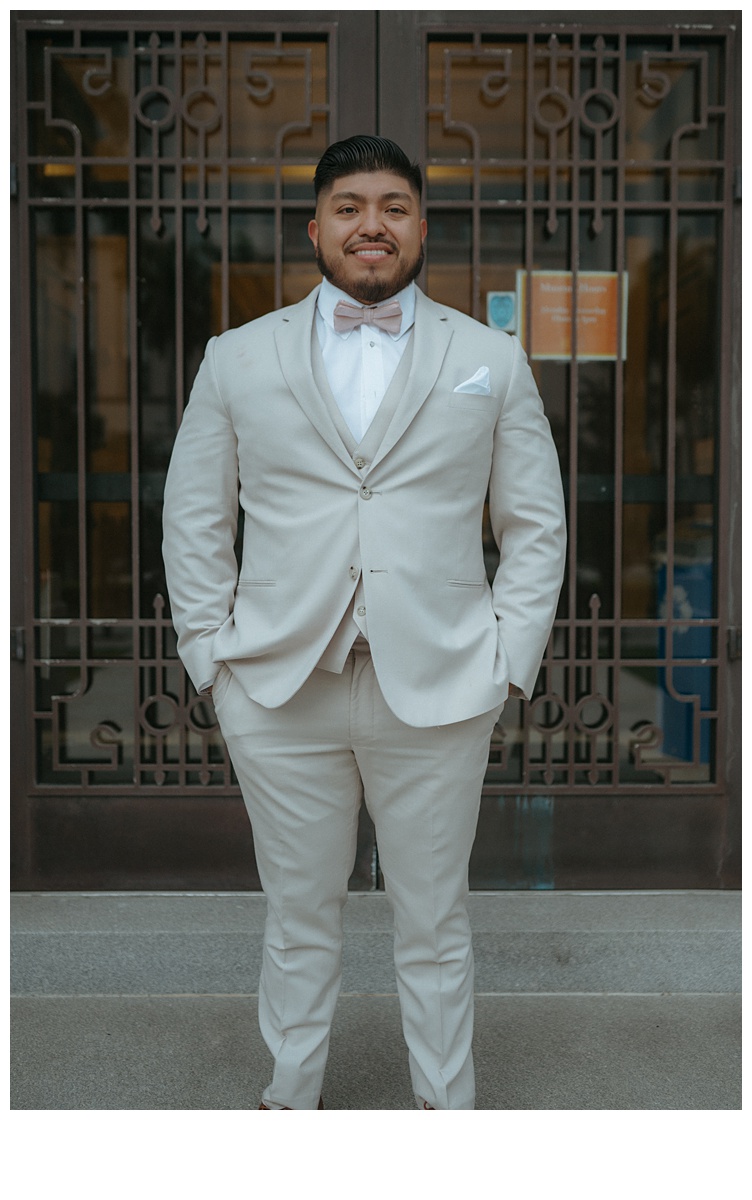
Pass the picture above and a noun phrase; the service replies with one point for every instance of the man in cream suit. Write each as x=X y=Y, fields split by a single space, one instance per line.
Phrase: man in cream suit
x=359 y=653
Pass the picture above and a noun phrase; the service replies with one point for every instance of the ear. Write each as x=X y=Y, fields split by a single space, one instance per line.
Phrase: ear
x=423 y=230
x=313 y=232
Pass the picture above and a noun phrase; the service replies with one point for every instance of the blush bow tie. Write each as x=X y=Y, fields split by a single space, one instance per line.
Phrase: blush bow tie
x=385 y=316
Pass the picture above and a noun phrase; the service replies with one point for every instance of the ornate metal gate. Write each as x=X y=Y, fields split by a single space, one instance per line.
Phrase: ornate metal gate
x=164 y=184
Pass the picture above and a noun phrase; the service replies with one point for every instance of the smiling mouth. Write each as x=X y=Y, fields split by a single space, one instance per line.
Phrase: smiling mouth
x=372 y=253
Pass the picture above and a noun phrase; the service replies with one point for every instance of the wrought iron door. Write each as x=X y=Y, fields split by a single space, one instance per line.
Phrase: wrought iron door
x=581 y=193
x=164 y=184
x=164 y=189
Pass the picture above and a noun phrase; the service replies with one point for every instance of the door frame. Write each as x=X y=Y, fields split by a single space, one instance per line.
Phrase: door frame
x=383 y=67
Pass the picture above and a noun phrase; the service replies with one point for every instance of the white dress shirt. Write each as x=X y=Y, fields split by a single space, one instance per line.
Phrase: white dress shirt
x=360 y=363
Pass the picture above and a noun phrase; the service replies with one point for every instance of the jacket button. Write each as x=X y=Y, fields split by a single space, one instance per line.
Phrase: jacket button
x=353 y=572
x=366 y=493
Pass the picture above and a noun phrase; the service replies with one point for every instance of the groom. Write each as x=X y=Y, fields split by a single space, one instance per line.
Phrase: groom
x=360 y=654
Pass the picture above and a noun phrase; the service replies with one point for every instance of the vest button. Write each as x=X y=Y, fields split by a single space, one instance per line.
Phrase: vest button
x=362 y=610
x=360 y=463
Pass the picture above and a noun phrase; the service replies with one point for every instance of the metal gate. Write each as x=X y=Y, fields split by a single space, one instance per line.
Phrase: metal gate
x=580 y=191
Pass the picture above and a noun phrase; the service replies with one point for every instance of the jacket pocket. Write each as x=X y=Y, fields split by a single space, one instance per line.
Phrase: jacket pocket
x=472 y=401
x=257 y=583
x=466 y=583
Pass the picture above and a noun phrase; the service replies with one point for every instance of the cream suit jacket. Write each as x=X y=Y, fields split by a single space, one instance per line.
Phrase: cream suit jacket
x=257 y=431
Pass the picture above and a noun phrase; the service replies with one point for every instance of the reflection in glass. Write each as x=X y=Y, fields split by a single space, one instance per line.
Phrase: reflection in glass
x=448 y=257
x=251 y=265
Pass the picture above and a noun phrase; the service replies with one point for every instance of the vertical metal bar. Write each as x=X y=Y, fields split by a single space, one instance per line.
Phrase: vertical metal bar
x=224 y=92
x=81 y=408
x=278 y=242
x=224 y=213
x=529 y=150
x=476 y=222
x=671 y=338
x=134 y=421
x=574 y=405
x=726 y=525
x=180 y=395
x=180 y=381
x=621 y=134
x=26 y=517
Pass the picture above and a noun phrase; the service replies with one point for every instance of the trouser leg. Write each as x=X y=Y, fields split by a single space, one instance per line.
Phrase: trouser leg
x=422 y=788
x=302 y=790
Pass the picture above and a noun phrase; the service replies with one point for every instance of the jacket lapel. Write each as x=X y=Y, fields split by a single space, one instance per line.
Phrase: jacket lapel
x=293 y=340
x=432 y=336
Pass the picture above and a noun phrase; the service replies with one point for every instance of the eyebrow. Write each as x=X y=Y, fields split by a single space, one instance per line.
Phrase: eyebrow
x=358 y=196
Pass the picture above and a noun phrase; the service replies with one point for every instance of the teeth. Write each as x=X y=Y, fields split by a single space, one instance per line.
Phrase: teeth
x=372 y=253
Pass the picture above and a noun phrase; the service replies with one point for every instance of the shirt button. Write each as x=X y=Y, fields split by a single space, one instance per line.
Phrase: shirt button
x=366 y=493
x=360 y=463
x=362 y=610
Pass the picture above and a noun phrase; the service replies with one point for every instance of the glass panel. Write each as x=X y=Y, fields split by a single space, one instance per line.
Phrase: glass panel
x=109 y=554
x=476 y=96
x=234 y=126
x=502 y=242
x=157 y=341
x=273 y=92
x=645 y=416
x=85 y=94
x=299 y=270
x=251 y=265
x=667 y=98
x=56 y=641
x=449 y=258
x=202 y=288
x=595 y=724
x=54 y=274
x=107 y=376
x=53 y=180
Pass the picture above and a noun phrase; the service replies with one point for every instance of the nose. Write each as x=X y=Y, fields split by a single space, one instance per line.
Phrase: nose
x=371 y=222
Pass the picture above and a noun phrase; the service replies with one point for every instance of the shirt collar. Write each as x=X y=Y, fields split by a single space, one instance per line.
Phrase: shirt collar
x=329 y=296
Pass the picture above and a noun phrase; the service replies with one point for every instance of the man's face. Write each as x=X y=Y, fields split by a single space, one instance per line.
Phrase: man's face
x=368 y=235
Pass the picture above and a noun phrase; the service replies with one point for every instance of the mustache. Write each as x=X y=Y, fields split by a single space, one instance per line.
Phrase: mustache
x=377 y=241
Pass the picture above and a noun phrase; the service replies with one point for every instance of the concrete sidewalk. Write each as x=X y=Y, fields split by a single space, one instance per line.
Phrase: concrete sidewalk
x=584 y=1001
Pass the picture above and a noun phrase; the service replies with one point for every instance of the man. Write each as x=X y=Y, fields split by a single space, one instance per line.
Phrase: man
x=360 y=652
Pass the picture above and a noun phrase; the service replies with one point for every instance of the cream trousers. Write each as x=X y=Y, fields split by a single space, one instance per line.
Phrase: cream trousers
x=304 y=770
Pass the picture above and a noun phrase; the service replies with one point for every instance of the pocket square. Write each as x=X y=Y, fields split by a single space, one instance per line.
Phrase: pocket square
x=478 y=384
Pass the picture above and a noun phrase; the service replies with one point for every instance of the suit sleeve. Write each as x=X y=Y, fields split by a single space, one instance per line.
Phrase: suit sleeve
x=200 y=523
x=526 y=504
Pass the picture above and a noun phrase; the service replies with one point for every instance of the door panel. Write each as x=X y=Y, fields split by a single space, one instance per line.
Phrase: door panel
x=580 y=190
x=579 y=186
x=164 y=188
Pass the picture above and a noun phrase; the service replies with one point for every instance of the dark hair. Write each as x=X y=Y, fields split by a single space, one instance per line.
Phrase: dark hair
x=364 y=153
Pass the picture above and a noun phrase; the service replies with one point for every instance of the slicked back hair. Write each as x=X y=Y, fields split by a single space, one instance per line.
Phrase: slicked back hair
x=365 y=153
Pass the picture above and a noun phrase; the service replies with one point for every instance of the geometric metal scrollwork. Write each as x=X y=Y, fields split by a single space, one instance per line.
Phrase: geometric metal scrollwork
x=655 y=86
x=156 y=108
x=96 y=81
x=260 y=88
x=186 y=715
x=493 y=87
x=581 y=109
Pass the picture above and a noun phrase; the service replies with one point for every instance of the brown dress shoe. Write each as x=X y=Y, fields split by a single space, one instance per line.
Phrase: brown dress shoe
x=286 y=1109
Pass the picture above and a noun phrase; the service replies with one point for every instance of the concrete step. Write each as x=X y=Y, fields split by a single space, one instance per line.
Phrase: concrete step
x=77 y=944
x=531 y=1052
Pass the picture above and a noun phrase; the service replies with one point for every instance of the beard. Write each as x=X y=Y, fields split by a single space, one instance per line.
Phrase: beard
x=374 y=290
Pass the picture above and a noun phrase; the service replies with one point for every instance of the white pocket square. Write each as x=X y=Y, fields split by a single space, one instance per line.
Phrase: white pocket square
x=478 y=384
